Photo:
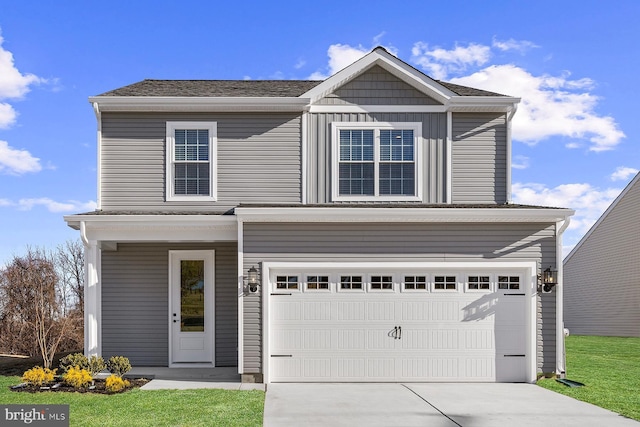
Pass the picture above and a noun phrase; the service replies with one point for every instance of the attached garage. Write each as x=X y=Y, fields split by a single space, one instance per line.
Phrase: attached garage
x=399 y=322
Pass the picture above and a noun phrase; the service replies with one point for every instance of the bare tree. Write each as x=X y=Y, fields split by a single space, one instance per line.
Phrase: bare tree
x=70 y=265
x=33 y=311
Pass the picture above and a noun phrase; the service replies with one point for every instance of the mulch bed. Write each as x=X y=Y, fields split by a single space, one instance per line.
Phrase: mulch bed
x=98 y=387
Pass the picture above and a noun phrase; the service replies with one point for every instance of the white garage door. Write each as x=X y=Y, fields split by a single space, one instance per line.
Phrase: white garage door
x=435 y=325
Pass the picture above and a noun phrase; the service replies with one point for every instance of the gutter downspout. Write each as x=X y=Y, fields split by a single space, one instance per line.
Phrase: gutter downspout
x=509 y=150
x=98 y=113
x=560 y=353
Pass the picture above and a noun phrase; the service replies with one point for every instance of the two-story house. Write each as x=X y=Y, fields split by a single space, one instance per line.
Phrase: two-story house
x=353 y=229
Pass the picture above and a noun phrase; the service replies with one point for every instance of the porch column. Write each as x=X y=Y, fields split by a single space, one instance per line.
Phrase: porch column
x=92 y=300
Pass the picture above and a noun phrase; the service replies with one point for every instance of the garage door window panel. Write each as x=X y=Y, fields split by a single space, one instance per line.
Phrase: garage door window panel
x=381 y=284
x=508 y=282
x=317 y=283
x=415 y=284
x=287 y=283
x=478 y=283
x=351 y=283
x=445 y=284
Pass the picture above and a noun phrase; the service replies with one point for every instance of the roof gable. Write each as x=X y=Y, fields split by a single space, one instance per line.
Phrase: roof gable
x=376 y=86
x=380 y=57
x=633 y=188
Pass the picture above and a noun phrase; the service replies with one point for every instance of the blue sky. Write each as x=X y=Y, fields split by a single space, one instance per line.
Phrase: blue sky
x=574 y=63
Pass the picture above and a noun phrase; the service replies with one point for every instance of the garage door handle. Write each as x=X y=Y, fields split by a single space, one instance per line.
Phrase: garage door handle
x=514 y=355
x=399 y=332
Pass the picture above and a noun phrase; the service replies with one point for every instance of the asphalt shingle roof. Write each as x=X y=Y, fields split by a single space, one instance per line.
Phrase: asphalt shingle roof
x=245 y=88
x=213 y=88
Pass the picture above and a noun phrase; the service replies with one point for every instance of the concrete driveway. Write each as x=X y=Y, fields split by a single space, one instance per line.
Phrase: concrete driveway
x=433 y=405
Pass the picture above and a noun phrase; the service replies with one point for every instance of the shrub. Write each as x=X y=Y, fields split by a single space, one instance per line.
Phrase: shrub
x=38 y=376
x=96 y=364
x=77 y=378
x=78 y=360
x=118 y=365
x=114 y=384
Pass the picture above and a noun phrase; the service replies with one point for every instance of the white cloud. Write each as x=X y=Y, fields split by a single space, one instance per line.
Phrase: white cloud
x=13 y=84
x=17 y=162
x=439 y=62
x=7 y=115
x=300 y=63
x=623 y=173
x=550 y=106
x=520 y=162
x=518 y=45
x=56 y=207
x=589 y=202
x=343 y=55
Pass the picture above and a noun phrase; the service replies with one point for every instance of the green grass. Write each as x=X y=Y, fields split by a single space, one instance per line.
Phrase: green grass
x=610 y=369
x=203 y=407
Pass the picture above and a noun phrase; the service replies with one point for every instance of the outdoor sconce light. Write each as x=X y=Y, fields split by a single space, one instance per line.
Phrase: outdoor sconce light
x=548 y=280
x=252 y=280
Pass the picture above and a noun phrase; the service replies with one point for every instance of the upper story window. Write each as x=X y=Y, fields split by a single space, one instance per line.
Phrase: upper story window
x=376 y=161
x=191 y=158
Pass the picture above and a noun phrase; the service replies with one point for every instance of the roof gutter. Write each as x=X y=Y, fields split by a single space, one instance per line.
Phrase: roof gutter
x=194 y=103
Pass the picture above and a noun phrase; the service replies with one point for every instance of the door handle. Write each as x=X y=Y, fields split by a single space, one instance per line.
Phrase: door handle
x=393 y=334
x=399 y=332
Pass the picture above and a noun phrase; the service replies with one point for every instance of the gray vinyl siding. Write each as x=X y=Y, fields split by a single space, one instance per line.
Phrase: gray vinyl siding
x=258 y=158
x=479 y=158
x=602 y=277
x=135 y=302
x=319 y=156
x=320 y=242
x=377 y=86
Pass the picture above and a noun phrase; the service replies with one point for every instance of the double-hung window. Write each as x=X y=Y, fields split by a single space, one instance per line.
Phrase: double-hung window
x=191 y=157
x=376 y=161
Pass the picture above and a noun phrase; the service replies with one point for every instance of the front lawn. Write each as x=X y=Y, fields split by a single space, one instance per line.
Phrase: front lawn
x=203 y=407
x=610 y=369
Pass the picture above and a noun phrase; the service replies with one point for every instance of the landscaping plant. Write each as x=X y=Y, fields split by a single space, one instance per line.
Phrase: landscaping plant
x=96 y=364
x=114 y=384
x=78 y=360
x=38 y=376
x=118 y=365
x=77 y=378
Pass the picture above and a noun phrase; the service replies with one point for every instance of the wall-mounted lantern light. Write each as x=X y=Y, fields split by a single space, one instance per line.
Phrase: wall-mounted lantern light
x=252 y=281
x=548 y=280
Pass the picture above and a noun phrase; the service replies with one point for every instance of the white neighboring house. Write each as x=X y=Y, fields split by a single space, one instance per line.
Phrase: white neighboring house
x=602 y=272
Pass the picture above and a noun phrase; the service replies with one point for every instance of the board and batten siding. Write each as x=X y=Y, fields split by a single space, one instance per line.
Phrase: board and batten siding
x=258 y=160
x=319 y=156
x=602 y=276
x=362 y=242
x=135 y=305
x=376 y=86
x=479 y=158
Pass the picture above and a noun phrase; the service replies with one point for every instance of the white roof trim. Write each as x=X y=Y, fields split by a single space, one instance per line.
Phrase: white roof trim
x=195 y=103
x=603 y=217
x=397 y=214
x=390 y=63
x=156 y=227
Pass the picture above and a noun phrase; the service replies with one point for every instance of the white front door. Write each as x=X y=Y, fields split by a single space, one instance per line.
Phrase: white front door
x=191 y=306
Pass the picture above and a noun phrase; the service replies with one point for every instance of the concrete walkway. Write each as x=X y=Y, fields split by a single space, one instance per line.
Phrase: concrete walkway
x=189 y=385
x=433 y=404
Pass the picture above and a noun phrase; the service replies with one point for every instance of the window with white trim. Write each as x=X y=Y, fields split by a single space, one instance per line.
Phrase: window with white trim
x=316 y=283
x=286 y=282
x=415 y=283
x=445 y=283
x=376 y=161
x=478 y=283
x=351 y=282
x=191 y=158
x=379 y=283
x=508 y=282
